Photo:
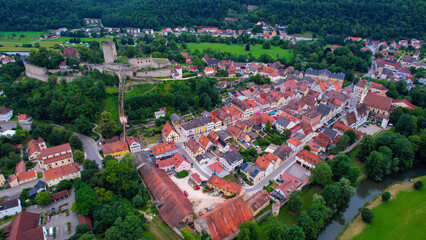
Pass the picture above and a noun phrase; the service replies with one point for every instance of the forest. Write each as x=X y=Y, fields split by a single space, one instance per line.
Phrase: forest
x=379 y=19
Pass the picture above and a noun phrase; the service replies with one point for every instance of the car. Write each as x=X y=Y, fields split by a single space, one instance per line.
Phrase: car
x=280 y=180
x=52 y=210
x=48 y=218
x=186 y=193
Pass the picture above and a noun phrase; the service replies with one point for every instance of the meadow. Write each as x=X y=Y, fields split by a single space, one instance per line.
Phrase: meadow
x=255 y=50
x=111 y=102
x=138 y=90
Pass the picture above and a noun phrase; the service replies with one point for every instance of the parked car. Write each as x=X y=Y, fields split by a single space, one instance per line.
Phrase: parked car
x=53 y=210
x=48 y=218
x=186 y=193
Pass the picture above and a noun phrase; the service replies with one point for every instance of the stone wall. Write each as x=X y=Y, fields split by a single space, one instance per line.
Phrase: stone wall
x=164 y=72
x=110 y=53
x=148 y=62
x=33 y=71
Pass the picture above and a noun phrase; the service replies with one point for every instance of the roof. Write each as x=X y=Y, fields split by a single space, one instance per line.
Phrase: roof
x=322 y=140
x=23 y=117
x=289 y=185
x=204 y=141
x=20 y=167
x=193 y=145
x=343 y=128
x=85 y=219
x=226 y=218
x=330 y=132
x=4 y=110
x=282 y=121
x=53 y=150
x=262 y=162
x=163 y=148
x=173 y=205
x=26 y=226
x=27 y=175
x=258 y=199
x=406 y=102
x=196 y=178
x=117 y=146
x=167 y=129
x=131 y=139
x=309 y=157
x=61 y=171
x=175 y=160
x=282 y=151
x=225 y=184
x=176 y=118
x=216 y=167
x=294 y=141
x=59 y=195
x=58 y=158
x=232 y=157
x=9 y=203
x=70 y=52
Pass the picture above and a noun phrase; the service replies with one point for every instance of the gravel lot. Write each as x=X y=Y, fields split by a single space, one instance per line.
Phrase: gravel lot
x=200 y=200
x=370 y=130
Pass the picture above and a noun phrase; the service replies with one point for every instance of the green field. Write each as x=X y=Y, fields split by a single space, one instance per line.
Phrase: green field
x=138 y=90
x=111 y=102
x=255 y=50
x=403 y=217
x=84 y=39
x=28 y=37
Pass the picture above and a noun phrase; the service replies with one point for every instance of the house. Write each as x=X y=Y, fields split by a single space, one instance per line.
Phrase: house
x=115 y=149
x=231 y=160
x=5 y=114
x=321 y=142
x=177 y=120
x=223 y=221
x=403 y=103
x=10 y=207
x=172 y=204
x=7 y=60
x=294 y=143
x=205 y=142
x=65 y=172
x=210 y=126
x=40 y=186
x=59 y=196
x=163 y=150
x=25 y=119
x=26 y=226
x=325 y=76
x=342 y=128
x=169 y=133
x=253 y=172
x=217 y=169
x=312 y=117
x=195 y=177
x=224 y=186
x=85 y=220
x=33 y=148
x=258 y=201
x=177 y=163
x=307 y=159
x=378 y=104
x=193 y=128
x=194 y=148
x=209 y=71
x=133 y=143
x=159 y=114
x=22 y=176
x=186 y=56
x=265 y=164
x=2 y=180
x=290 y=184
x=245 y=108
x=282 y=152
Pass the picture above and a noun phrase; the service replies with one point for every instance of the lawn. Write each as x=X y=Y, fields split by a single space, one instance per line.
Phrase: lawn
x=111 y=102
x=122 y=60
x=29 y=37
x=160 y=230
x=400 y=218
x=17 y=47
x=138 y=90
x=231 y=178
x=255 y=50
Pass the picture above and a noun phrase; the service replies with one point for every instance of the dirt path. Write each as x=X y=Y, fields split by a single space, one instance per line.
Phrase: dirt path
x=357 y=225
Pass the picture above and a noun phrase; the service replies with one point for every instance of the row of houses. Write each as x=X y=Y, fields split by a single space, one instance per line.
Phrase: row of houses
x=121 y=148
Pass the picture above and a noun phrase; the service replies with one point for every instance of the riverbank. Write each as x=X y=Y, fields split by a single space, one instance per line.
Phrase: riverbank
x=394 y=219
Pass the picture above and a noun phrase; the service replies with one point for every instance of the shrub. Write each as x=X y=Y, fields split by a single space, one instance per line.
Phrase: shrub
x=182 y=174
x=386 y=196
x=418 y=185
x=367 y=215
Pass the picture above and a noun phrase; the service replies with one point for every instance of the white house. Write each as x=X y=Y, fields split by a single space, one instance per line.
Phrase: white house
x=25 y=119
x=159 y=114
x=231 y=160
x=10 y=207
x=294 y=143
x=5 y=114
x=134 y=144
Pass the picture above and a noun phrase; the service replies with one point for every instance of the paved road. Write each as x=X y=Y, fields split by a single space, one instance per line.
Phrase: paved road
x=16 y=191
x=90 y=148
x=194 y=162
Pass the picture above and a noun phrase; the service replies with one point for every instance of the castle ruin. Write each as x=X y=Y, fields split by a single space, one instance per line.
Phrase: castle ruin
x=110 y=53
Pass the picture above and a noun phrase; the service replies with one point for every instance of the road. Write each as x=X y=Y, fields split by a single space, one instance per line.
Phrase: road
x=90 y=148
x=200 y=170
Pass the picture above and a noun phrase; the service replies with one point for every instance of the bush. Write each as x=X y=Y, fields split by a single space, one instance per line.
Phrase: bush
x=182 y=174
x=386 y=196
x=418 y=185
x=367 y=215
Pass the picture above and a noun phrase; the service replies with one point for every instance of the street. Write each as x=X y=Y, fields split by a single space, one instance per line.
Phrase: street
x=200 y=170
x=90 y=148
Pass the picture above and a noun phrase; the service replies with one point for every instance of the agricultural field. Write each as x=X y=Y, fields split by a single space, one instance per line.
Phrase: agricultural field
x=255 y=50
x=19 y=37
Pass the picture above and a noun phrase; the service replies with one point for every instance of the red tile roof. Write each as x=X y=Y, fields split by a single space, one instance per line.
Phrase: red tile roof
x=258 y=199
x=225 y=184
x=294 y=141
x=54 y=150
x=289 y=185
x=406 y=102
x=163 y=148
x=216 y=167
x=85 y=219
x=57 y=158
x=20 y=167
x=343 y=128
x=131 y=139
x=27 y=175
x=193 y=145
x=26 y=226
x=61 y=171
x=263 y=163
x=175 y=160
x=226 y=218
x=114 y=147
x=23 y=117
x=59 y=195
x=196 y=178
x=204 y=141
x=309 y=157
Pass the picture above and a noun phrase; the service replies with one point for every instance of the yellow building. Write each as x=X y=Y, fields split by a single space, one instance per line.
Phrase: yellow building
x=2 y=180
x=115 y=149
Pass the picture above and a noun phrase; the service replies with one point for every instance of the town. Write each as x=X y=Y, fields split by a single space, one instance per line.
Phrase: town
x=249 y=143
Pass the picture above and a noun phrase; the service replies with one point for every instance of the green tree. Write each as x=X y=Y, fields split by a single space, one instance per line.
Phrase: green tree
x=374 y=166
x=78 y=156
x=43 y=198
x=296 y=233
x=249 y=231
x=366 y=146
x=75 y=142
x=277 y=230
x=82 y=228
x=405 y=125
x=340 y=165
x=395 y=114
x=268 y=125
x=266 y=45
x=138 y=201
x=367 y=215
x=351 y=134
x=128 y=229
x=418 y=185
x=294 y=201
x=128 y=160
x=64 y=185
x=85 y=197
x=83 y=125
x=307 y=147
x=305 y=222
x=322 y=173
x=386 y=196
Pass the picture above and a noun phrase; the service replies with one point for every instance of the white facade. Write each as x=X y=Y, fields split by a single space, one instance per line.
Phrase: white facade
x=135 y=147
x=6 y=116
x=10 y=211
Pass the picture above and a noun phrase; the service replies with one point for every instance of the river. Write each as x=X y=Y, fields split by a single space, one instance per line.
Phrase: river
x=365 y=192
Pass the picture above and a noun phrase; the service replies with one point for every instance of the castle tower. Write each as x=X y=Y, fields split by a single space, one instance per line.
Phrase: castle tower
x=275 y=209
x=110 y=53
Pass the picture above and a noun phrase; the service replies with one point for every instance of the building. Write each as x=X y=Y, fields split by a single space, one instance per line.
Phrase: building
x=164 y=149
x=253 y=172
x=294 y=143
x=378 y=104
x=325 y=76
x=290 y=184
x=223 y=221
x=26 y=226
x=307 y=159
x=34 y=147
x=10 y=207
x=283 y=123
x=22 y=176
x=194 y=148
x=312 y=117
x=171 y=203
x=159 y=114
x=55 y=156
x=70 y=52
x=258 y=201
x=40 y=186
x=177 y=163
x=25 y=119
x=5 y=114
x=177 y=120
x=110 y=52
x=133 y=143
x=224 y=186
x=169 y=133
x=217 y=169
x=2 y=180
x=404 y=103
x=231 y=160
x=115 y=149
x=66 y=172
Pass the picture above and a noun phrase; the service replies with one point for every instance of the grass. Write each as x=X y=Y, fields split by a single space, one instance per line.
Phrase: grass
x=231 y=178
x=8 y=219
x=138 y=90
x=122 y=60
x=255 y=50
x=269 y=207
x=153 y=139
x=29 y=37
x=17 y=47
x=111 y=102
x=160 y=230
x=159 y=60
x=400 y=218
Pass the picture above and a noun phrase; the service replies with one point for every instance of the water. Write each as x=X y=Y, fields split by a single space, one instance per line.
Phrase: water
x=365 y=192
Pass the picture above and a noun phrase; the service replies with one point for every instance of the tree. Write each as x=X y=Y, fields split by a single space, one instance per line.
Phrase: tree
x=43 y=198
x=296 y=233
x=351 y=134
x=248 y=47
x=249 y=231
x=85 y=197
x=82 y=228
x=83 y=125
x=374 y=166
x=268 y=125
x=138 y=201
x=367 y=215
x=182 y=174
x=307 y=147
x=386 y=196
x=340 y=165
x=366 y=146
x=129 y=228
x=128 y=160
x=395 y=114
x=405 y=125
x=418 y=185
x=322 y=173
x=75 y=142
x=278 y=229
x=78 y=156
x=294 y=201
x=266 y=44
x=64 y=185
x=305 y=222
